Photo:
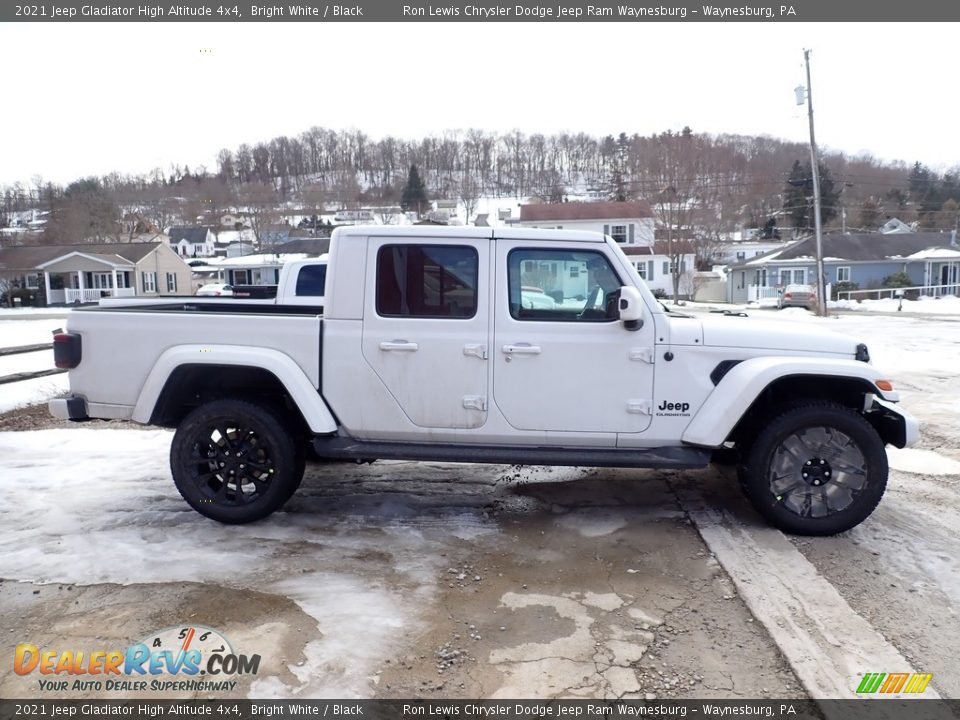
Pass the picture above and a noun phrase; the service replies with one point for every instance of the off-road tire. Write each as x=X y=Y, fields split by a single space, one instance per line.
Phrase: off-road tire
x=235 y=461
x=816 y=468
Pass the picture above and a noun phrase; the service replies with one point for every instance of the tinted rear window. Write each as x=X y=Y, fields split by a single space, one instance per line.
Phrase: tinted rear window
x=312 y=280
x=438 y=281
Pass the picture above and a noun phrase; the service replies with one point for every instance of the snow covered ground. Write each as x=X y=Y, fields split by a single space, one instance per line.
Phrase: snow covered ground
x=947 y=305
x=15 y=332
x=80 y=505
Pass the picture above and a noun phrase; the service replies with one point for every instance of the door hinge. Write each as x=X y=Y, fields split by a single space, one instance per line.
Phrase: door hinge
x=639 y=407
x=641 y=354
x=474 y=402
x=477 y=350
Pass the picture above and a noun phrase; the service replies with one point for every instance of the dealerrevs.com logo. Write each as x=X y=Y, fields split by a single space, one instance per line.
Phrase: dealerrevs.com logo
x=192 y=659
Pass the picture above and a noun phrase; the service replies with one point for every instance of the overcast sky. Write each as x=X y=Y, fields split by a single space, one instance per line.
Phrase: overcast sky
x=91 y=98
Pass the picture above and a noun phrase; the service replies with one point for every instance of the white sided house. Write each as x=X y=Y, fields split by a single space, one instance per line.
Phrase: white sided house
x=193 y=242
x=655 y=264
x=628 y=223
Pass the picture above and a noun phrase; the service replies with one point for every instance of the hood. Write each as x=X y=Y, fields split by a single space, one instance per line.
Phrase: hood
x=752 y=333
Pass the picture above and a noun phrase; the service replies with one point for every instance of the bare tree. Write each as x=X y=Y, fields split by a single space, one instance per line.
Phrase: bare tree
x=259 y=201
x=468 y=190
x=674 y=173
x=313 y=198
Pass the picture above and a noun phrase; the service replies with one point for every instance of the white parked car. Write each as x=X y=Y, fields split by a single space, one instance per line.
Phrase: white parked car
x=534 y=298
x=215 y=290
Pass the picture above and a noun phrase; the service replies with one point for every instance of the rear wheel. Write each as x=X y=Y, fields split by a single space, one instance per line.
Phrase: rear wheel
x=817 y=468
x=235 y=461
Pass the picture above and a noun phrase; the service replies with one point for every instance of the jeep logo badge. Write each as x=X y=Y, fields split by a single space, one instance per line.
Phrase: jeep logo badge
x=673 y=408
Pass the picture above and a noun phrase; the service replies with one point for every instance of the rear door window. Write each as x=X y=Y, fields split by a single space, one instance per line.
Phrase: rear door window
x=430 y=281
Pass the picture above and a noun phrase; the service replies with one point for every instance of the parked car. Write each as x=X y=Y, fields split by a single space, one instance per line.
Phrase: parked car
x=534 y=298
x=215 y=290
x=798 y=296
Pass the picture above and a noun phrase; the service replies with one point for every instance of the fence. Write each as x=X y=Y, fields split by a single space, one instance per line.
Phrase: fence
x=908 y=292
x=759 y=293
x=90 y=295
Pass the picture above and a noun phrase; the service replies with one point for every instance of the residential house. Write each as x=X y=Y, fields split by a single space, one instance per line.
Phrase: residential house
x=238 y=248
x=311 y=246
x=273 y=235
x=930 y=259
x=69 y=274
x=655 y=265
x=896 y=225
x=735 y=253
x=447 y=206
x=232 y=220
x=629 y=223
x=192 y=242
x=262 y=268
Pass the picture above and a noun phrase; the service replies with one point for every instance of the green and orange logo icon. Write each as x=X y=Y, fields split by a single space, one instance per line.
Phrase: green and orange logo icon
x=894 y=683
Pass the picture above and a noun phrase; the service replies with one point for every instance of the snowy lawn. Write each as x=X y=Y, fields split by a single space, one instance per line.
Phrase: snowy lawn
x=948 y=305
x=14 y=333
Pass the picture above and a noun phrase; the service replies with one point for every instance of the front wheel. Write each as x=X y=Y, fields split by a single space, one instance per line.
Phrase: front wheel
x=234 y=461
x=816 y=469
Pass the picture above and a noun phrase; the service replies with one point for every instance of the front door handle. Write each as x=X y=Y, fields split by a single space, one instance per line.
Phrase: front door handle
x=521 y=349
x=399 y=345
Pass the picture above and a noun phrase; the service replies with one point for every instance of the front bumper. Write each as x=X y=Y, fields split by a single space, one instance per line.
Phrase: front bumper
x=896 y=425
x=69 y=408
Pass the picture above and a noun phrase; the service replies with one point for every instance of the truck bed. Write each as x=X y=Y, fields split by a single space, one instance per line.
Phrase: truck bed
x=212 y=306
x=122 y=345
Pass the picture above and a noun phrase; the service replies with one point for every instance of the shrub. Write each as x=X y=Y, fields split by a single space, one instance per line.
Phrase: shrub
x=845 y=286
x=898 y=279
x=26 y=296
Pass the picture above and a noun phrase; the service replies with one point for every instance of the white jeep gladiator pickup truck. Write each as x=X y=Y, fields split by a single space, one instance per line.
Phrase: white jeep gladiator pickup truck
x=488 y=345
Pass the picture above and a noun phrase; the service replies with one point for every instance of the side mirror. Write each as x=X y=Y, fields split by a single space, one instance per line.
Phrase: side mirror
x=630 y=306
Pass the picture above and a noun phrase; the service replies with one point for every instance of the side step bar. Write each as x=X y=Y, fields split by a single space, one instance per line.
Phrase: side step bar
x=662 y=457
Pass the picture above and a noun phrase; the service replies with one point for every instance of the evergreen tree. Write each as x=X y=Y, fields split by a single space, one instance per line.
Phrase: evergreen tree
x=921 y=180
x=798 y=196
x=770 y=230
x=414 y=195
x=617 y=184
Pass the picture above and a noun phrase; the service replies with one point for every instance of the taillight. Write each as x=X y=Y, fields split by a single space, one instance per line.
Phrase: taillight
x=788 y=296
x=66 y=350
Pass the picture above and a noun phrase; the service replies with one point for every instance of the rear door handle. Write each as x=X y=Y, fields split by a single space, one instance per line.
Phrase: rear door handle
x=399 y=345
x=521 y=349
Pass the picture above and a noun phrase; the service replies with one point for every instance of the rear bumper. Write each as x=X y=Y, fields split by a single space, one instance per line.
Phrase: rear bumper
x=69 y=408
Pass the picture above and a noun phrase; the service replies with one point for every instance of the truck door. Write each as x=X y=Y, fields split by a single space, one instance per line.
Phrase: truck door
x=426 y=334
x=562 y=361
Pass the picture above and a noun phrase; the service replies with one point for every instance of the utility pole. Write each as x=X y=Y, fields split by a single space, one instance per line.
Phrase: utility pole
x=815 y=171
